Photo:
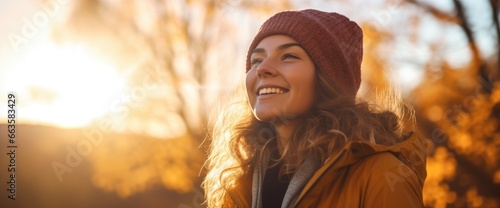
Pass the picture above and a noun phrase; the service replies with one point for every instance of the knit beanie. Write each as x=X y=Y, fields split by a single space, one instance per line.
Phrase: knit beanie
x=334 y=43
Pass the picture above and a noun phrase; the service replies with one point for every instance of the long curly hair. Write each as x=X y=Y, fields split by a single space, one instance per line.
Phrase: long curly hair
x=238 y=137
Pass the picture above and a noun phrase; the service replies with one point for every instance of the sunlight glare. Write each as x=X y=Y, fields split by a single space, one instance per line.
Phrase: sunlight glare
x=75 y=86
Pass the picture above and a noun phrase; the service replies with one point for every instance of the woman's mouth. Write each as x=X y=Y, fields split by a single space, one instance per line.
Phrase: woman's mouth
x=271 y=90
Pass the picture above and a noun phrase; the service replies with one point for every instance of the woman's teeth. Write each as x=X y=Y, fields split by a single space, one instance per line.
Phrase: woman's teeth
x=271 y=90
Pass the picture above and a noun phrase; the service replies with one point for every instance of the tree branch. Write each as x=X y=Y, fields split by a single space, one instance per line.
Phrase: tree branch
x=467 y=30
x=436 y=12
x=478 y=64
x=494 y=15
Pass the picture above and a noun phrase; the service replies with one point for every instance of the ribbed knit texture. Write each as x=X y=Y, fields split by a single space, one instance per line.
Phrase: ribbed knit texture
x=333 y=42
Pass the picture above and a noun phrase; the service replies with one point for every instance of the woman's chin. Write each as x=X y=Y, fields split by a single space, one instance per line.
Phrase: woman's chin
x=264 y=118
x=274 y=118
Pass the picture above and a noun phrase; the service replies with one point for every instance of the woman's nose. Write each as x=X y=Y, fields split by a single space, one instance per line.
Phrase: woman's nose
x=266 y=69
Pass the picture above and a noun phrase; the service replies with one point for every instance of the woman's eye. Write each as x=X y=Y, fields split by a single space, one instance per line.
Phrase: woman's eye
x=256 y=61
x=289 y=56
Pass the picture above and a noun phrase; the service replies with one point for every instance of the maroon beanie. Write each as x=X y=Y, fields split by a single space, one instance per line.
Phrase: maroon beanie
x=333 y=42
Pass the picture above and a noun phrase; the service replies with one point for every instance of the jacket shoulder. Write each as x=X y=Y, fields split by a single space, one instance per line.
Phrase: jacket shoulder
x=376 y=180
x=387 y=182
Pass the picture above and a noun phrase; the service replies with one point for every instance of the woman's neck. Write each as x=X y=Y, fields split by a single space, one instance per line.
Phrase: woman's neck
x=283 y=133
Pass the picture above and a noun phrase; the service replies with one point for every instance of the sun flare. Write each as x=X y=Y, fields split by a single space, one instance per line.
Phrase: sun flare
x=63 y=85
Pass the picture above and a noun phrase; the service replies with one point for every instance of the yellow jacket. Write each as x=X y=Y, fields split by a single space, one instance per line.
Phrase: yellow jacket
x=360 y=175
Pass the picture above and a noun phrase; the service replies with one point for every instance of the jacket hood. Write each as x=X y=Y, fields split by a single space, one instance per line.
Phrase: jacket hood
x=412 y=151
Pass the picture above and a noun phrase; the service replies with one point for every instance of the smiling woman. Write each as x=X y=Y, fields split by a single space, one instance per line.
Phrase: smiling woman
x=62 y=85
x=300 y=138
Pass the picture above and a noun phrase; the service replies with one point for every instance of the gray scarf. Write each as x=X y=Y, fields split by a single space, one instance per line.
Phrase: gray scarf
x=299 y=179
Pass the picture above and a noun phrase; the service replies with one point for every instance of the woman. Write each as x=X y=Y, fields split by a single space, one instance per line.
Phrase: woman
x=300 y=139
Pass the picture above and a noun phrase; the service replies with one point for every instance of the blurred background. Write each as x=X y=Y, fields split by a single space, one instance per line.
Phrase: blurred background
x=115 y=97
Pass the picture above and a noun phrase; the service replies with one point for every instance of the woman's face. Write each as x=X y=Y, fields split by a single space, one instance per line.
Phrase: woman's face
x=281 y=81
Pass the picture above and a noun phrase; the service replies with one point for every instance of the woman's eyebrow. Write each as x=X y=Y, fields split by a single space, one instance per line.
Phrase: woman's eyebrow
x=287 y=45
x=258 y=50
x=279 y=48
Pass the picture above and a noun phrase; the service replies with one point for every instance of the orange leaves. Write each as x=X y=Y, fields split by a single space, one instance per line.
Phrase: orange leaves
x=441 y=166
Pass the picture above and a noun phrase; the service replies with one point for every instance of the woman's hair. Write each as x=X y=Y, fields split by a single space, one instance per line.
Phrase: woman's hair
x=238 y=137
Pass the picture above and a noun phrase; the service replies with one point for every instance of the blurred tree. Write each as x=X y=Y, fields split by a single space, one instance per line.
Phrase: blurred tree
x=458 y=106
x=177 y=56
